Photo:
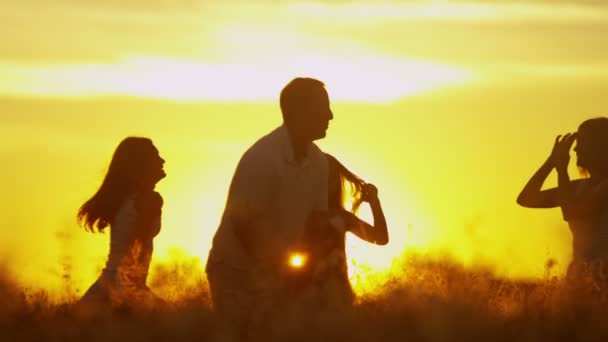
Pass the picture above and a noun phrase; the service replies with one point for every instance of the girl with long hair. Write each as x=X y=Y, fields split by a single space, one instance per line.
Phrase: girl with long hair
x=584 y=202
x=127 y=204
x=327 y=234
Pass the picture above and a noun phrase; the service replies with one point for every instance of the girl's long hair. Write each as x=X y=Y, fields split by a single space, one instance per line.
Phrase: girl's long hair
x=120 y=180
x=595 y=134
x=354 y=182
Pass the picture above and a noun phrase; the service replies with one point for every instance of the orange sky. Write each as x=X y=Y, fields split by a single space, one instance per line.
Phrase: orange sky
x=447 y=107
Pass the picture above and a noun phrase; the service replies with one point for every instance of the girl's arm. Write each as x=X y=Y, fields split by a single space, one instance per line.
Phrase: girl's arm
x=533 y=197
x=574 y=203
x=378 y=233
x=561 y=158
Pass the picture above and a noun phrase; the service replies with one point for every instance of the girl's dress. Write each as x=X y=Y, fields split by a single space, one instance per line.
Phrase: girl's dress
x=589 y=241
x=329 y=285
x=123 y=280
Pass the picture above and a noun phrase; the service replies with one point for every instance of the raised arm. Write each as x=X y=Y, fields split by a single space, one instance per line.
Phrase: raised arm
x=561 y=156
x=376 y=233
x=532 y=195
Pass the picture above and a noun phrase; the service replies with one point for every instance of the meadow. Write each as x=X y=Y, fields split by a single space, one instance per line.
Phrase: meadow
x=432 y=300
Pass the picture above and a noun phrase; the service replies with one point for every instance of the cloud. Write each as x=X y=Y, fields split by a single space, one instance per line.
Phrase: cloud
x=108 y=4
x=464 y=11
x=378 y=78
x=50 y=35
x=85 y=34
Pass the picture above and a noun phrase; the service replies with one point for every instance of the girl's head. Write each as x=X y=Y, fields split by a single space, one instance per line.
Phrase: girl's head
x=592 y=146
x=136 y=166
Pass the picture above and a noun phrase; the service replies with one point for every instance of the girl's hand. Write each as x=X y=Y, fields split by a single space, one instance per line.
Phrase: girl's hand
x=369 y=193
x=560 y=155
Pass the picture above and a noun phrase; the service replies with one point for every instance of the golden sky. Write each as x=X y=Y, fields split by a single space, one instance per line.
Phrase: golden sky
x=447 y=106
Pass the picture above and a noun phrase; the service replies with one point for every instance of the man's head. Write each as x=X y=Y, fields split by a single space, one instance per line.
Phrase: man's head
x=305 y=107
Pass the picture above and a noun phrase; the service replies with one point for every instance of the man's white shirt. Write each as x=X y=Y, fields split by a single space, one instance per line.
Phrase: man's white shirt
x=272 y=188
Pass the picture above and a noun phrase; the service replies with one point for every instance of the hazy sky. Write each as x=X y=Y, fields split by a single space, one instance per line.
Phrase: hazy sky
x=447 y=106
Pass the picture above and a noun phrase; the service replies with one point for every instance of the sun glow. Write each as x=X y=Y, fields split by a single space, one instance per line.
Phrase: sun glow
x=297 y=260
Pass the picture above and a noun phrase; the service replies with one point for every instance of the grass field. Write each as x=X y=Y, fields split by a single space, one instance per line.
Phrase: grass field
x=434 y=301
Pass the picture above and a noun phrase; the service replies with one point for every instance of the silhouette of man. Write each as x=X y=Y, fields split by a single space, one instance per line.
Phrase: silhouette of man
x=279 y=182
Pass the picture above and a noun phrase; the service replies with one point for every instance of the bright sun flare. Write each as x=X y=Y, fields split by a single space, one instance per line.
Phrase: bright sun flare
x=297 y=260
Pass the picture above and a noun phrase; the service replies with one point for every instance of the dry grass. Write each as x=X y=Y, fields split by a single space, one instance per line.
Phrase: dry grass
x=435 y=301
